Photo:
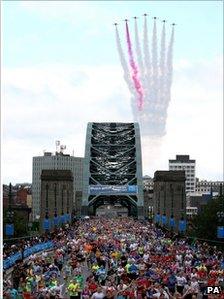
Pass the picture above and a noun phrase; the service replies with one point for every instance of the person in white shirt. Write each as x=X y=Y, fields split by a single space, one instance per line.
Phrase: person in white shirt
x=179 y=257
x=181 y=282
x=195 y=285
x=145 y=257
x=160 y=293
x=99 y=294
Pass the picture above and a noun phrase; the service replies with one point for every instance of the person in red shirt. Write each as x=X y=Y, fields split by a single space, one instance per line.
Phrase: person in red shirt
x=92 y=286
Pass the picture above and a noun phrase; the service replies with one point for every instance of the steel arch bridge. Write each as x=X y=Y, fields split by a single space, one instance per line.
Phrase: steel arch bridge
x=113 y=168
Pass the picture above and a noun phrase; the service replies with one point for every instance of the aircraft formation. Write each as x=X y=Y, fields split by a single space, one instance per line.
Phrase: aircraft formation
x=148 y=68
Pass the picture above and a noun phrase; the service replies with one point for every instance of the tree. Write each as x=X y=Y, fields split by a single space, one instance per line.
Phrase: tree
x=205 y=224
x=20 y=225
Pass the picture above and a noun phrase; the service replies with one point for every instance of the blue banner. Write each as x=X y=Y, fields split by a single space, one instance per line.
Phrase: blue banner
x=69 y=217
x=172 y=222
x=113 y=189
x=163 y=219
x=9 y=229
x=46 y=224
x=157 y=218
x=182 y=225
x=63 y=219
x=10 y=261
x=220 y=232
x=56 y=221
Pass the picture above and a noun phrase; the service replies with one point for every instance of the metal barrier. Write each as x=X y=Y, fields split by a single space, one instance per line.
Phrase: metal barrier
x=11 y=260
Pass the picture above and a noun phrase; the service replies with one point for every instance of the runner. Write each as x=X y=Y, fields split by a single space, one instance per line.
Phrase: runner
x=116 y=258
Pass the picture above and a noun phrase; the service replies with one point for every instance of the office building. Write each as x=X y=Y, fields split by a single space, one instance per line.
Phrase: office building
x=206 y=187
x=56 y=194
x=183 y=162
x=57 y=161
x=147 y=183
x=169 y=198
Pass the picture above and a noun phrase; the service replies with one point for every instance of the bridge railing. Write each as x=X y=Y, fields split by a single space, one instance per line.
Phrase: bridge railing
x=12 y=259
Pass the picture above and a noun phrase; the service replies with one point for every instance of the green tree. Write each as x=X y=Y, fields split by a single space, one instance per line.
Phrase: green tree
x=20 y=225
x=205 y=224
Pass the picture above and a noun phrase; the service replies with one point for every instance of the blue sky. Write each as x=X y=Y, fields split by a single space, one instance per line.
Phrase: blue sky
x=61 y=69
x=31 y=36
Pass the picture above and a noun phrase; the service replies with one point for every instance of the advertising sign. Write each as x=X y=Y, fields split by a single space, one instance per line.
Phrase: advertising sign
x=163 y=219
x=220 y=232
x=182 y=225
x=56 y=220
x=46 y=224
x=112 y=189
x=9 y=229
x=69 y=217
x=11 y=260
x=63 y=219
x=157 y=218
x=172 y=222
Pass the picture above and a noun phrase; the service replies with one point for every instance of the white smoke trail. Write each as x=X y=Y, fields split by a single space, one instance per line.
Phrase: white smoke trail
x=170 y=61
x=162 y=60
x=162 y=75
x=124 y=64
x=155 y=61
x=146 y=53
x=127 y=76
x=152 y=148
x=169 y=73
x=156 y=71
x=139 y=53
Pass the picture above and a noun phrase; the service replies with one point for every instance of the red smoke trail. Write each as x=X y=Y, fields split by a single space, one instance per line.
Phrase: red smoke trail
x=134 y=68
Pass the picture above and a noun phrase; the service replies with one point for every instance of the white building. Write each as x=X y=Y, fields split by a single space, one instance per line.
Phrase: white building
x=59 y=161
x=183 y=162
x=191 y=211
x=147 y=183
x=204 y=186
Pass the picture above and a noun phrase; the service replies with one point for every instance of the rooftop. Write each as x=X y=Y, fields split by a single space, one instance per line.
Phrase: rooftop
x=182 y=159
x=169 y=176
x=56 y=175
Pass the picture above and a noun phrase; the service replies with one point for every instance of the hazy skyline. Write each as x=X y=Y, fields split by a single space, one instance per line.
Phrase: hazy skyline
x=60 y=70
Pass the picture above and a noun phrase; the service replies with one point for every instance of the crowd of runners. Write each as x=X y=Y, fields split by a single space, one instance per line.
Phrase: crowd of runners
x=117 y=259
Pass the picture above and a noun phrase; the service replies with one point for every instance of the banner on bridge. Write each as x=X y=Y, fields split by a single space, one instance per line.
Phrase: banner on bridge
x=112 y=189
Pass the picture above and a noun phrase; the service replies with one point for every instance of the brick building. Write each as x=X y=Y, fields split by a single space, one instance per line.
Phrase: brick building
x=56 y=193
x=169 y=196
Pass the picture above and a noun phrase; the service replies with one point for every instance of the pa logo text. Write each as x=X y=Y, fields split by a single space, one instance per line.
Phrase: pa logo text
x=213 y=290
